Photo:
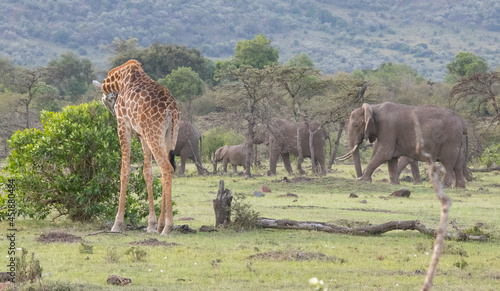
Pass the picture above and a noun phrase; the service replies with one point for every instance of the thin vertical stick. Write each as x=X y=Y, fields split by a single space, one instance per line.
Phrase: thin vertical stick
x=445 y=206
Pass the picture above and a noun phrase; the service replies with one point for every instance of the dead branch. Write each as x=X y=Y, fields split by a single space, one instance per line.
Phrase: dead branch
x=486 y=170
x=361 y=231
x=445 y=205
x=106 y=232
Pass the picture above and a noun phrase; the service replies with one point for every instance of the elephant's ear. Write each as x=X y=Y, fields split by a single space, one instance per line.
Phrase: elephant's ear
x=221 y=152
x=370 y=128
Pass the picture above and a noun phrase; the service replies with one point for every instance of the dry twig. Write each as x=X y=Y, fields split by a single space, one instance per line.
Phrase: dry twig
x=445 y=205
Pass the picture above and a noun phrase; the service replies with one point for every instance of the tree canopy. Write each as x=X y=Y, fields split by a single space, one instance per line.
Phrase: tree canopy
x=256 y=53
x=466 y=64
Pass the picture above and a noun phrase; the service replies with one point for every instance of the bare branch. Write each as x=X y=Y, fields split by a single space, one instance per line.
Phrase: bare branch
x=445 y=205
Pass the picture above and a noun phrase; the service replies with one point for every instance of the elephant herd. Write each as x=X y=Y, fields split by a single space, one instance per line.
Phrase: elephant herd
x=389 y=126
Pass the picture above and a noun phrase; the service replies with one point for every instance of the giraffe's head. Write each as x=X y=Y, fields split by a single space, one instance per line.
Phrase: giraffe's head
x=109 y=99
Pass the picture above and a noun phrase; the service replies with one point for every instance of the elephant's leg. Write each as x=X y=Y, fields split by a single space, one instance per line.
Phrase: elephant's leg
x=415 y=172
x=286 y=162
x=449 y=173
x=376 y=160
x=234 y=169
x=182 y=168
x=402 y=163
x=273 y=161
x=299 y=166
x=459 y=174
x=224 y=165
x=392 y=165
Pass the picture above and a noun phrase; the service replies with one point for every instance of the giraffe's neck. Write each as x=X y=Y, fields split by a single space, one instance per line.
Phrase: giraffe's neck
x=117 y=77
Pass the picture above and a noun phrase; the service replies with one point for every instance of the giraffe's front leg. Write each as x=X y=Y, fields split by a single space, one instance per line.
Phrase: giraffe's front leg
x=124 y=134
x=148 y=177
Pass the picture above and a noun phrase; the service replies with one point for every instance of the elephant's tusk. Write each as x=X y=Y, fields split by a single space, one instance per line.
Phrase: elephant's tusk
x=348 y=155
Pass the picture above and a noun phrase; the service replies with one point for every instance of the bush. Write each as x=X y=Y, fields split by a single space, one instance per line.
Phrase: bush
x=72 y=167
x=491 y=156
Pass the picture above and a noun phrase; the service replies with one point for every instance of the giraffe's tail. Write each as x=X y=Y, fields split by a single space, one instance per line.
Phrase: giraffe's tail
x=171 y=155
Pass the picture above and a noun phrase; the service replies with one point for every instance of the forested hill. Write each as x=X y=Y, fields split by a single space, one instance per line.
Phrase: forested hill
x=337 y=35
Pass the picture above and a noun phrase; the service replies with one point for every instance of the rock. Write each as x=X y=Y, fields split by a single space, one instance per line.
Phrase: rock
x=265 y=189
x=258 y=194
x=363 y=201
x=186 y=218
x=184 y=228
x=117 y=280
x=382 y=197
x=406 y=179
x=353 y=195
x=401 y=193
x=289 y=195
x=206 y=228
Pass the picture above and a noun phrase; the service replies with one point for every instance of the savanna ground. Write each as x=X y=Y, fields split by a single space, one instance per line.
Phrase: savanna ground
x=266 y=259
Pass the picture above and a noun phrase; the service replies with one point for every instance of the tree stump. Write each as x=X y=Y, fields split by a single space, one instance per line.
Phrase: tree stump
x=222 y=206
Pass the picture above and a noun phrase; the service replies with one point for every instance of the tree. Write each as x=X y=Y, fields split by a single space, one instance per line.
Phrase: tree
x=256 y=53
x=465 y=65
x=70 y=166
x=185 y=85
x=482 y=88
x=300 y=60
x=248 y=97
x=159 y=60
x=70 y=74
x=299 y=85
x=27 y=82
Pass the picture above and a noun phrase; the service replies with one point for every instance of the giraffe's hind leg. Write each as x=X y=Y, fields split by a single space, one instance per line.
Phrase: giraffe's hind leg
x=166 y=220
x=148 y=177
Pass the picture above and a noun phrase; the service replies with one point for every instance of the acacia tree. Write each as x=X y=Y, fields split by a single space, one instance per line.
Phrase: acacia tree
x=299 y=85
x=185 y=85
x=344 y=92
x=482 y=88
x=27 y=82
x=248 y=96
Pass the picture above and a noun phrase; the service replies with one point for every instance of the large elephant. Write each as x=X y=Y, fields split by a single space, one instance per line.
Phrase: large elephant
x=391 y=124
x=281 y=138
x=188 y=146
x=236 y=155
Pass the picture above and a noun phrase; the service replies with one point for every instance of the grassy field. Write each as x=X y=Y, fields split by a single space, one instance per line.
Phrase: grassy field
x=267 y=259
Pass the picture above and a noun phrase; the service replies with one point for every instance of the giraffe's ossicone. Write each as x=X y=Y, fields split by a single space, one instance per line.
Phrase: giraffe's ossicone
x=148 y=109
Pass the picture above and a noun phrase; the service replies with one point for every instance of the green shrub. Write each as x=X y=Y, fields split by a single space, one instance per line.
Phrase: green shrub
x=72 y=167
x=491 y=156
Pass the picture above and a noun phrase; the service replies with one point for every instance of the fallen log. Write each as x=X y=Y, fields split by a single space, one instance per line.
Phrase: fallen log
x=362 y=231
x=486 y=170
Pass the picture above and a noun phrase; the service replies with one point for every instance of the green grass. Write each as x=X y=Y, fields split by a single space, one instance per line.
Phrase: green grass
x=223 y=260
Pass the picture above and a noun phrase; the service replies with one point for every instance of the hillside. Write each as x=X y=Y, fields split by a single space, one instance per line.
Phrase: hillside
x=337 y=35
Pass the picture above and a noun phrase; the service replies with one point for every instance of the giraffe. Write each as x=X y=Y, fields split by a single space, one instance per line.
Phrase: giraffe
x=146 y=108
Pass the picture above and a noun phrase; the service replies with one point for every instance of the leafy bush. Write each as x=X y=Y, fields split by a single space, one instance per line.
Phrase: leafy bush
x=72 y=167
x=491 y=156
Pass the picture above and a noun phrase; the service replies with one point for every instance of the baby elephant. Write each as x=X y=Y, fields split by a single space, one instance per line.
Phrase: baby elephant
x=234 y=154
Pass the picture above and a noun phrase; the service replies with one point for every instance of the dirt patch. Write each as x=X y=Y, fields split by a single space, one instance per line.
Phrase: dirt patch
x=54 y=237
x=293 y=256
x=153 y=242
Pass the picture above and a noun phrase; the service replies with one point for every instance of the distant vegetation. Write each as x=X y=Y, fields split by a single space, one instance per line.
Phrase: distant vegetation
x=337 y=35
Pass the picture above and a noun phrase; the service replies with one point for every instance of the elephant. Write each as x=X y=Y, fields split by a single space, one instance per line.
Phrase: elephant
x=443 y=132
x=236 y=155
x=281 y=138
x=188 y=146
